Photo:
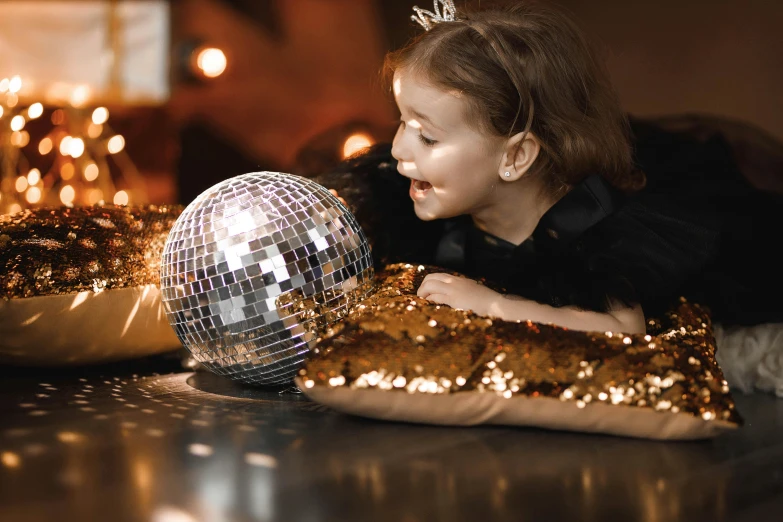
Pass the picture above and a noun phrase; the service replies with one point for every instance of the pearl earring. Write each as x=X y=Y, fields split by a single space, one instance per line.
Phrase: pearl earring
x=507 y=174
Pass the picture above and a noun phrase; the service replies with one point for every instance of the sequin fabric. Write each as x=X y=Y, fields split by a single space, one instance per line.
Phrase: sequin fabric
x=255 y=267
x=399 y=343
x=71 y=250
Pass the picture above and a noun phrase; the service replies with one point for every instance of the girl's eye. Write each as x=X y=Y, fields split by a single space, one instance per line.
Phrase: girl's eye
x=427 y=141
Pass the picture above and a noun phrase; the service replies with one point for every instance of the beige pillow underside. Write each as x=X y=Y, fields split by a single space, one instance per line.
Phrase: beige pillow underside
x=84 y=328
x=473 y=408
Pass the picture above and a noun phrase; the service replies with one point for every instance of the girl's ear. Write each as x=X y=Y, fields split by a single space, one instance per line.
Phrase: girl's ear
x=521 y=150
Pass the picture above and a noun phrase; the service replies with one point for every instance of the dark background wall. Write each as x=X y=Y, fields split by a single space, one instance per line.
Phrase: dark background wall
x=301 y=70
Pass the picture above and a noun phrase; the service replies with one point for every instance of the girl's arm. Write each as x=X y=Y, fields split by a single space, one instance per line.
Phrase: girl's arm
x=621 y=319
x=466 y=294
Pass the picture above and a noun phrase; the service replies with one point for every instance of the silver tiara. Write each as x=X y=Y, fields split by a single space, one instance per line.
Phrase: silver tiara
x=427 y=19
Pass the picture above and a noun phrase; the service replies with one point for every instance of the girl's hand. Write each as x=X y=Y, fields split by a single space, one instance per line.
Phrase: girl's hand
x=334 y=193
x=461 y=293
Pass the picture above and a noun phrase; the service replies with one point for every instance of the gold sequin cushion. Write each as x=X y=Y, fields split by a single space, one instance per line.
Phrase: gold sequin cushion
x=398 y=357
x=81 y=285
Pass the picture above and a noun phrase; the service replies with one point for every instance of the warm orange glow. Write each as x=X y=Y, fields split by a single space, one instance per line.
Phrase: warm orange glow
x=66 y=171
x=34 y=111
x=15 y=84
x=76 y=147
x=70 y=437
x=94 y=130
x=100 y=115
x=17 y=122
x=94 y=196
x=3 y=85
x=67 y=195
x=34 y=176
x=91 y=172
x=355 y=143
x=65 y=145
x=58 y=117
x=11 y=100
x=211 y=61
x=1 y=111
x=121 y=198
x=20 y=139
x=21 y=184
x=80 y=96
x=116 y=144
x=33 y=195
x=10 y=460
x=45 y=147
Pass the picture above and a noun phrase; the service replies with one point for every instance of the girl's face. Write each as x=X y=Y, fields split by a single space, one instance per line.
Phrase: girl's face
x=453 y=167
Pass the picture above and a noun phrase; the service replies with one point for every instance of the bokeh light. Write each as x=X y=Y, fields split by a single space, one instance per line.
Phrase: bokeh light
x=211 y=62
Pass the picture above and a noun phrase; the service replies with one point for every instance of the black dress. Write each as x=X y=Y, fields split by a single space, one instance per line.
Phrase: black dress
x=697 y=230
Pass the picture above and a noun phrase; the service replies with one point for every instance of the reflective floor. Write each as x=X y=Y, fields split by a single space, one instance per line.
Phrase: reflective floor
x=122 y=443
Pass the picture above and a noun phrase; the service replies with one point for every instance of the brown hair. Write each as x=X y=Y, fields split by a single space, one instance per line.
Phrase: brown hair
x=529 y=68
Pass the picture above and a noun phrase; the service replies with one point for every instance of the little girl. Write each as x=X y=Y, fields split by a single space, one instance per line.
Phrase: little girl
x=520 y=170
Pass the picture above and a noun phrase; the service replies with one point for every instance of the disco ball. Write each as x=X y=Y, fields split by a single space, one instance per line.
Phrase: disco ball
x=255 y=267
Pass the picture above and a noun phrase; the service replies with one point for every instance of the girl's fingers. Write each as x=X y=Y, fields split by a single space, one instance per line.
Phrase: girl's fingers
x=432 y=286
x=334 y=193
x=439 y=298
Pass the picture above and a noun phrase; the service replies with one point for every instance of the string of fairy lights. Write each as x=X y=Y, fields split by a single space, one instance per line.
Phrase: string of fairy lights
x=73 y=159
x=68 y=155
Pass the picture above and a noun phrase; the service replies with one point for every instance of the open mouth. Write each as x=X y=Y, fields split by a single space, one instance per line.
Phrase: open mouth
x=419 y=188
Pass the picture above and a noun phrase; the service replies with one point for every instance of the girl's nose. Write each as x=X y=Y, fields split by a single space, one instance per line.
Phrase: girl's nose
x=399 y=150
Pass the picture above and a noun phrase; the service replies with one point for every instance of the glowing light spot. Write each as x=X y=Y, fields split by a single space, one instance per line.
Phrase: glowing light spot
x=34 y=176
x=76 y=147
x=65 y=145
x=261 y=460
x=67 y=195
x=10 y=460
x=35 y=111
x=45 y=147
x=80 y=95
x=211 y=61
x=94 y=130
x=32 y=319
x=11 y=100
x=33 y=195
x=15 y=84
x=355 y=143
x=14 y=208
x=4 y=85
x=66 y=171
x=91 y=172
x=100 y=115
x=200 y=450
x=115 y=144
x=171 y=514
x=20 y=139
x=121 y=198
x=17 y=122
x=94 y=196
x=70 y=437
x=21 y=184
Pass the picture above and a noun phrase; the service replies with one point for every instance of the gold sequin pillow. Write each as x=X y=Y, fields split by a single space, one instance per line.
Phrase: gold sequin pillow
x=398 y=357
x=81 y=285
